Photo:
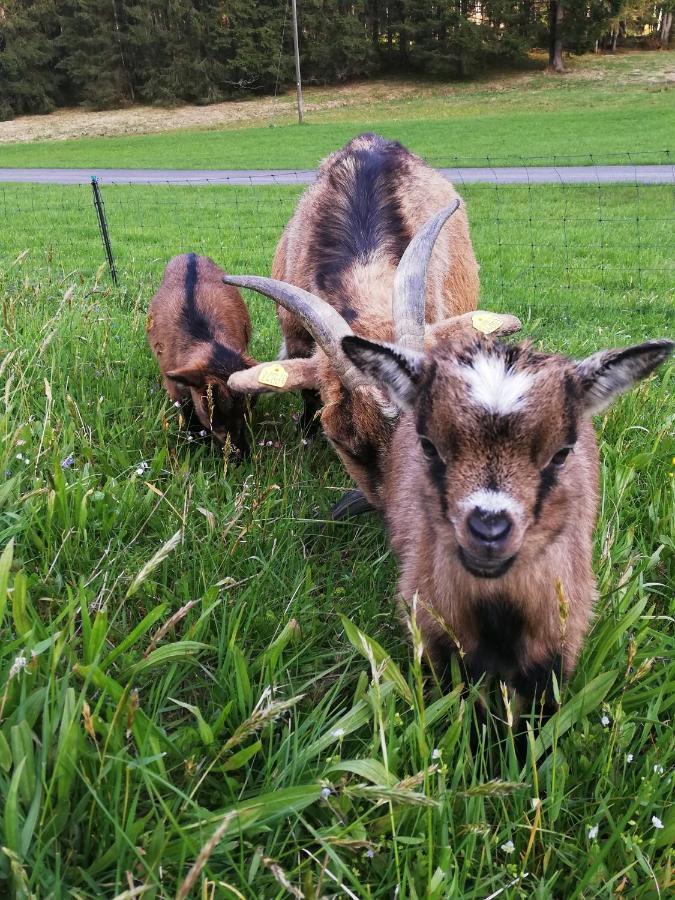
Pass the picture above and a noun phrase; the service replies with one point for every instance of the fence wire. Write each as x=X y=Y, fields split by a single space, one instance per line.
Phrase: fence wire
x=543 y=249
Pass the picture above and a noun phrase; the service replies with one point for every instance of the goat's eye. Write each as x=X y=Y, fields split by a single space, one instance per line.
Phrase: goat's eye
x=558 y=459
x=428 y=448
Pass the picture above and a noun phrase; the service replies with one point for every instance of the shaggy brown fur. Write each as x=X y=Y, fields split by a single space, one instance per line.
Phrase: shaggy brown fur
x=490 y=493
x=350 y=229
x=199 y=330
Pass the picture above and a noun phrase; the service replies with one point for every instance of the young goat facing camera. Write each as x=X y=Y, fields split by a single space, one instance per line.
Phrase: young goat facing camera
x=199 y=330
x=495 y=461
x=482 y=459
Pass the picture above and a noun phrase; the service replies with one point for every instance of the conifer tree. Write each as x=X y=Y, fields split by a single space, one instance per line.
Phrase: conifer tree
x=93 y=58
x=27 y=57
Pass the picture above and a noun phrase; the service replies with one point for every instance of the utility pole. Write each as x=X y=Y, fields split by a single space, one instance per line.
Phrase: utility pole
x=298 y=82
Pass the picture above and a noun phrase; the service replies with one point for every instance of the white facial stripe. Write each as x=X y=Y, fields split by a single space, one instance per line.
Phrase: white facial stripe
x=493 y=386
x=492 y=502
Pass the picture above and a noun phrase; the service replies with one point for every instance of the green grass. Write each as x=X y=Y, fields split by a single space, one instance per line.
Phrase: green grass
x=124 y=743
x=600 y=110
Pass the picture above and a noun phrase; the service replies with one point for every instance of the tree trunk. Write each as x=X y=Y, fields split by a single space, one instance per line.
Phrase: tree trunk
x=555 y=45
x=666 y=25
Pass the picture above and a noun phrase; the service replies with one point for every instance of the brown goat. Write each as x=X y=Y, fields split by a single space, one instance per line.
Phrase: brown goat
x=199 y=330
x=494 y=459
x=483 y=460
x=349 y=232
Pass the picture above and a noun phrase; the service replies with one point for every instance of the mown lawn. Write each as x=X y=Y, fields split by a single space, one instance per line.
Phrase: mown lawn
x=173 y=659
x=605 y=109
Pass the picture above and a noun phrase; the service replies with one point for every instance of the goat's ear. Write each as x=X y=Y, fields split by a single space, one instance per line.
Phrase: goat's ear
x=280 y=376
x=607 y=374
x=187 y=377
x=468 y=324
x=388 y=366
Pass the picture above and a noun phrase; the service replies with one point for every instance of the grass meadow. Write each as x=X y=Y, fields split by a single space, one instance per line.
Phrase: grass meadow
x=601 y=107
x=204 y=687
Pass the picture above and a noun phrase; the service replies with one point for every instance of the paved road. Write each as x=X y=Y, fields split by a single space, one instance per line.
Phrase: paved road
x=511 y=175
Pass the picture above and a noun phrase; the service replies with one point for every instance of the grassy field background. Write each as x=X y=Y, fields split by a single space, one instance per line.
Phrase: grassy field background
x=173 y=661
x=602 y=108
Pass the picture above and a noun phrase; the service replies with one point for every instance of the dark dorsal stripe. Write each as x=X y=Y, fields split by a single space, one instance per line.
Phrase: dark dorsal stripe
x=369 y=216
x=194 y=321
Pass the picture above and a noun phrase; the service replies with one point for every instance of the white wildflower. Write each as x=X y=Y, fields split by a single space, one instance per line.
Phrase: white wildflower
x=202 y=433
x=21 y=443
x=593 y=832
x=338 y=733
x=19 y=456
x=629 y=757
x=142 y=469
x=19 y=663
x=370 y=854
x=658 y=770
x=656 y=822
x=605 y=721
x=178 y=404
x=325 y=793
x=508 y=847
x=436 y=754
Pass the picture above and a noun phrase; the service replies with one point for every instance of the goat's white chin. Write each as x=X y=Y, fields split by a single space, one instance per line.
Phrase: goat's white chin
x=481 y=567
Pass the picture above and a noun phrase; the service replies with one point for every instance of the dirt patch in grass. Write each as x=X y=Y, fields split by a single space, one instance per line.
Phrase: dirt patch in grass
x=630 y=68
x=71 y=123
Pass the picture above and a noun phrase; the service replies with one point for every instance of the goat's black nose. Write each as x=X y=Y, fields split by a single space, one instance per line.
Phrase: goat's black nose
x=489 y=527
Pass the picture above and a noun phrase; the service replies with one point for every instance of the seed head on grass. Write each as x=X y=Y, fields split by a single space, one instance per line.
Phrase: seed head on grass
x=203 y=857
x=167 y=626
x=563 y=608
x=154 y=561
x=266 y=711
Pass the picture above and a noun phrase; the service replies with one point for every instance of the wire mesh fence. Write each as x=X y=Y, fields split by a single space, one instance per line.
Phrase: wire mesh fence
x=543 y=249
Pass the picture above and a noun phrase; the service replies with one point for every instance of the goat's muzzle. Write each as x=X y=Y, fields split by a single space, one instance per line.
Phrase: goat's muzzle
x=488 y=552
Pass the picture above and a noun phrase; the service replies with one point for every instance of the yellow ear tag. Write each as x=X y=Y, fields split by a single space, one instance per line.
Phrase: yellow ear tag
x=486 y=322
x=274 y=375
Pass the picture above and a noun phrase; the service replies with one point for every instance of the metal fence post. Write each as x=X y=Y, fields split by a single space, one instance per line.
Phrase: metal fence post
x=103 y=228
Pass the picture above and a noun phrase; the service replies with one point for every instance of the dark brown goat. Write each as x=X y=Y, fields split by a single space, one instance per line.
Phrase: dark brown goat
x=199 y=330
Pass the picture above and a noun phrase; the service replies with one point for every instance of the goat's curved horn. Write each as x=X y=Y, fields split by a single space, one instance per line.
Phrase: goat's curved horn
x=411 y=278
x=324 y=323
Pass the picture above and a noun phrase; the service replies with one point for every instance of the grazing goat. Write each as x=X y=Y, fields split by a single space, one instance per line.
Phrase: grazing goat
x=482 y=458
x=349 y=232
x=346 y=245
x=199 y=330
